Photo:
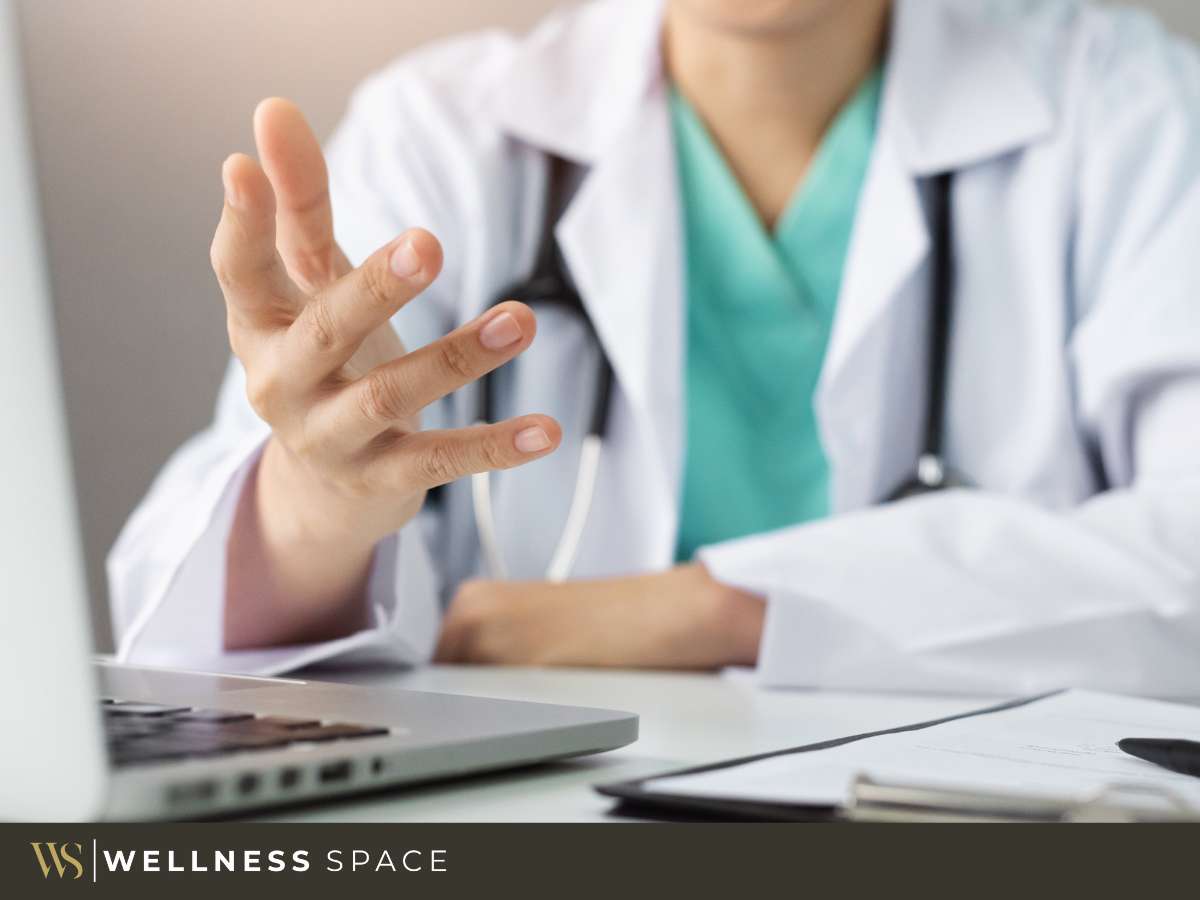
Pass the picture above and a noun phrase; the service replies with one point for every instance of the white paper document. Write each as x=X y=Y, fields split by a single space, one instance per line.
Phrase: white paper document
x=1061 y=747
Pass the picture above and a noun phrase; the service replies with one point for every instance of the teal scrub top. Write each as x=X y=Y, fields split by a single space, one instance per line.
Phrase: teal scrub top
x=760 y=308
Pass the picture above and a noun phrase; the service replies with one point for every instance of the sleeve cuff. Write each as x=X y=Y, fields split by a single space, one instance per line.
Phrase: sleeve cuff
x=181 y=623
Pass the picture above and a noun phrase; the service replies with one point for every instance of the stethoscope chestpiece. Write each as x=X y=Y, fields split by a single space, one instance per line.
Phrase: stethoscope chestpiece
x=931 y=476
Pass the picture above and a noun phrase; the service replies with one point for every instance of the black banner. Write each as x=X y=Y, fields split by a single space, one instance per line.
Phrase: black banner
x=226 y=859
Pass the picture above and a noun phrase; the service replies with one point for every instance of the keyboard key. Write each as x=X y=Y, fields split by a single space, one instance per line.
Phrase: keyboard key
x=134 y=727
x=182 y=746
x=142 y=709
x=257 y=741
x=286 y=722
x=244 y=727
x=335 y=732
x=152 y=749
x=212 y=715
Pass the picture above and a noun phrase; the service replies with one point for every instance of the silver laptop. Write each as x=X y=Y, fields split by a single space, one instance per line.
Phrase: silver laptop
x=81 y=739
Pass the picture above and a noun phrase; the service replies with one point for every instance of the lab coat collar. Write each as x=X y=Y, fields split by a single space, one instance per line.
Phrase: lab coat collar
x=577 y=80
x=962 y=86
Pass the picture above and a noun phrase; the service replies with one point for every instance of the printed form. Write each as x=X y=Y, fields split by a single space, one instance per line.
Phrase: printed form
x=1061 y=747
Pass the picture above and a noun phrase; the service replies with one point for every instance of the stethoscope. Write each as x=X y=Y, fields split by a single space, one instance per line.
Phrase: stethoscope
x=550 y=286
x=932 y=473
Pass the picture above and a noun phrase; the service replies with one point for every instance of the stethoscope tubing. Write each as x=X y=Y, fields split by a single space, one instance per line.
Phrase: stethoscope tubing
x=565 y=552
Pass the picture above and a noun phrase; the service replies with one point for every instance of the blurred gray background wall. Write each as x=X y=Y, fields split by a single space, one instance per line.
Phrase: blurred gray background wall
x=135 y=103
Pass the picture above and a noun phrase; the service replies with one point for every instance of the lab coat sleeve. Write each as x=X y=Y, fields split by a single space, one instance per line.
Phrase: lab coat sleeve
x=167 y=569
x=980 y=592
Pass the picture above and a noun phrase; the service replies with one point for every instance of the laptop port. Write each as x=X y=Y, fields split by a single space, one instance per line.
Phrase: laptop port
x=334 y=771
x=191 y=792
x=376 y=766
x=247 y=783
x=289 y=778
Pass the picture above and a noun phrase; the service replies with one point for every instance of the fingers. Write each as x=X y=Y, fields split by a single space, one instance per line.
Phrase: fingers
x=336 y=320
x=257 y=289
x=448 y=650
x=395 y=392
x=457 y=627
x=427 y=459
x=292 y=158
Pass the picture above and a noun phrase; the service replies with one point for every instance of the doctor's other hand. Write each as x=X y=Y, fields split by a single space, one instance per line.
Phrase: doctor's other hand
x=347 y=462
x=682 y=618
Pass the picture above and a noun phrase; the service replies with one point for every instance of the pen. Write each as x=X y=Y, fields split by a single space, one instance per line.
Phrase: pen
x=1178 y=756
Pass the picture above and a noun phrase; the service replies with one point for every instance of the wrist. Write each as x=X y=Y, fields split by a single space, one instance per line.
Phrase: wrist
x=287 y=583
x=736 y=616
x=298 y=509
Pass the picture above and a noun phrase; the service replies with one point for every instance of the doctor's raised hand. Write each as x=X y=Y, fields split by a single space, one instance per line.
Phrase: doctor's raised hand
x=347 y=462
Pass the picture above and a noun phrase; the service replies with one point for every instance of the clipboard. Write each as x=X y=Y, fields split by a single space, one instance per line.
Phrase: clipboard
x=874 y=801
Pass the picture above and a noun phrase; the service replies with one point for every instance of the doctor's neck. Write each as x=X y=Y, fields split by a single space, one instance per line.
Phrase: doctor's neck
x=768 y=78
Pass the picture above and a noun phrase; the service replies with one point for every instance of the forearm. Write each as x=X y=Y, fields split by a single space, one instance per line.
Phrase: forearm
x=679 y=619
x=293 y=575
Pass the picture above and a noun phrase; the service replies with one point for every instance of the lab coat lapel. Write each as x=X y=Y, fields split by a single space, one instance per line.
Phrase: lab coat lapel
x=957 y=93
x=886 y=253
x=622 y=243
x=589 y=87
x=963 y=89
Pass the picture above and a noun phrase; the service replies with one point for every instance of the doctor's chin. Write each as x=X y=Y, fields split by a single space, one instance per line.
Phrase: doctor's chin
x=595 y=412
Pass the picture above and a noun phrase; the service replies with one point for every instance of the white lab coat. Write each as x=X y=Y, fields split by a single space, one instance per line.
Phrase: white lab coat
x=1074 y=398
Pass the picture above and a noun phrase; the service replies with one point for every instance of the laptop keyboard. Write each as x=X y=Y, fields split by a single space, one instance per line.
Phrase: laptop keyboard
x=151 y=732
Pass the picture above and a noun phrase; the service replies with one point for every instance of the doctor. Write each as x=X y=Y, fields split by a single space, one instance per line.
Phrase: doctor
x=752 y=227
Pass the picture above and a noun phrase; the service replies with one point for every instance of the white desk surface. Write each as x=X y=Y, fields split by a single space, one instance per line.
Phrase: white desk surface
x=686 y=719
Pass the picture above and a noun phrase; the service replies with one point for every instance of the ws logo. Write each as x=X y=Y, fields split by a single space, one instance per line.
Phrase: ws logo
x=61 y=857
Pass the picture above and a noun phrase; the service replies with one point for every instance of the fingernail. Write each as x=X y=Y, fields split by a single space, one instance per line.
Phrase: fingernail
x=405 y=262
x=532 y=440
x=231 y=194
x=502 y=331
